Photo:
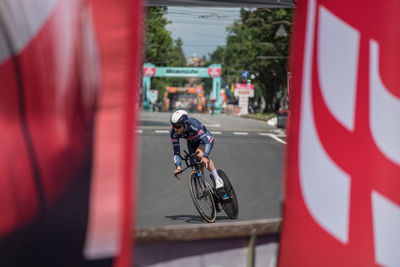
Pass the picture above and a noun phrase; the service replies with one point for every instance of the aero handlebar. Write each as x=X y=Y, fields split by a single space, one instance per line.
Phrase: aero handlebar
x=188 y=157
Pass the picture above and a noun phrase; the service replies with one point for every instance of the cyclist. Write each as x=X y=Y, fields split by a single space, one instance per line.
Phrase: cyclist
x=198 y=140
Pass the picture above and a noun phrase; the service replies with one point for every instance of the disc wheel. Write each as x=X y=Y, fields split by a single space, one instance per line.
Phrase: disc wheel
x=230 y=205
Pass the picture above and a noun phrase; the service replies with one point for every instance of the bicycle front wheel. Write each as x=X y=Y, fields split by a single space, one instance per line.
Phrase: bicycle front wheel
x=202 y=198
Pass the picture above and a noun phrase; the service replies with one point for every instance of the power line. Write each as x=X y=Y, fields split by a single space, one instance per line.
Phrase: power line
x=205 y=9
x=197 y=17
x=197 y=23
x=200 y=45
x=196 y=32
x=192 y=11
x=204 y=15
x=205 y=12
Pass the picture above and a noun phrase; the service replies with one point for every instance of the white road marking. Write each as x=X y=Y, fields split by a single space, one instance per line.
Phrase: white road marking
x=278 y=139
x=240 y=133
x=139 y=131
x=210 y=123
x=161 y=131
x=274 y=137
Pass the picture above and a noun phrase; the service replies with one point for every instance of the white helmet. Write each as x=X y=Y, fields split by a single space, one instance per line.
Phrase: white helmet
x=179 y=117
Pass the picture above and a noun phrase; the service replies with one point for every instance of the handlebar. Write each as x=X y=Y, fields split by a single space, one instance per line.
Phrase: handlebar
x=186 y=158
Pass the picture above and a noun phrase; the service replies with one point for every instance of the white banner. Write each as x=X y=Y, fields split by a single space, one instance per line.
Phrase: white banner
x=244 y=105
x=244 y=90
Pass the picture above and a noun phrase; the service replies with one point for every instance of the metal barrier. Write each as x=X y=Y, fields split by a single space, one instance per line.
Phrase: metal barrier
x=246 y=243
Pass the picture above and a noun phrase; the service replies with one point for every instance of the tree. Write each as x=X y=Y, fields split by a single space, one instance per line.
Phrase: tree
x=178 y=58
x=218 y=55
x=161 y=49
x=158 y=39
x=252 y=45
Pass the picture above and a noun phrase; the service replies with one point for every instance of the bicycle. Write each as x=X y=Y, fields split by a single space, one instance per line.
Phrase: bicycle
x=204 y=196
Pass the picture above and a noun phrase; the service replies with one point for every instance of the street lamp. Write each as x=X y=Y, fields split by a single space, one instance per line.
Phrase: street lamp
x=281 y=32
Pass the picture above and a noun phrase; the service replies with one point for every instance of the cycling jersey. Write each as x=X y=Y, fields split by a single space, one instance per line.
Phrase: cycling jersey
x=195 y=134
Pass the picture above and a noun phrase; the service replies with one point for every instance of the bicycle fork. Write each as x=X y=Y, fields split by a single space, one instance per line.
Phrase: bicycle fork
x=201 y=182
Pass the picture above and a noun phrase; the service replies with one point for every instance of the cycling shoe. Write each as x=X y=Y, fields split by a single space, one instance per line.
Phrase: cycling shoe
x=222 y=193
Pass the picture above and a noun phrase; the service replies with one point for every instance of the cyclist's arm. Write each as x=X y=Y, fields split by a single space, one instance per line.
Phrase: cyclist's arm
x=176 y=147
x=207 y=149
x=207 y=143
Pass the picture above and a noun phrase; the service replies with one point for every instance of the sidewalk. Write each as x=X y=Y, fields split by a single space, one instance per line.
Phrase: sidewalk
x=259 y=116
x=267 y=118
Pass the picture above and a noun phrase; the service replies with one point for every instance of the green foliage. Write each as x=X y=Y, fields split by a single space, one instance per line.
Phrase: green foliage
x=215 y=58
x=207 y=85
x=177 y=56
x=252 y=37
x=161 y=49
x=218 y=55
x=158 y=40
x=261 y=116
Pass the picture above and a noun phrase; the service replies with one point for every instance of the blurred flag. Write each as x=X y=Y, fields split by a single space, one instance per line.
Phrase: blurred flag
x=342 y=185
x=67 y=116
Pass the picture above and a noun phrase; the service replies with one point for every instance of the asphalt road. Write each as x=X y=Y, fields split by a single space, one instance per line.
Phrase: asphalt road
x=247 y=150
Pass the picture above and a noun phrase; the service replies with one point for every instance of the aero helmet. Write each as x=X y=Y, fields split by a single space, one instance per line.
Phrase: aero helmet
x=179 y=117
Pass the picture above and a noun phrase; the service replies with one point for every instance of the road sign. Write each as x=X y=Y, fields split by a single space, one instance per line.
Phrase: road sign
x=245 y=74
x=281 y=32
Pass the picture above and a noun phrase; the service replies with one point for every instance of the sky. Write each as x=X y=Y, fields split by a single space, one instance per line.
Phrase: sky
x=201 y=29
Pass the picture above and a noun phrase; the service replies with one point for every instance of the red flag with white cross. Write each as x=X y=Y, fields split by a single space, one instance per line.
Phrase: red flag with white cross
x=67 y=142
x=342 y=183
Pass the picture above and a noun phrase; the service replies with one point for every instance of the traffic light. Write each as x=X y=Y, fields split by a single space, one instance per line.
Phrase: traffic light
x=244 y=81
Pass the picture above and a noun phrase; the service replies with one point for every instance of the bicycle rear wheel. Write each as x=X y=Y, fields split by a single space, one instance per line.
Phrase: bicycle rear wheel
x=202 y=198
x=230 y=205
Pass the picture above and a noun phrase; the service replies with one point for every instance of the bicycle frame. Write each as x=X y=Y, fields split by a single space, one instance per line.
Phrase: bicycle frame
x=195 y=166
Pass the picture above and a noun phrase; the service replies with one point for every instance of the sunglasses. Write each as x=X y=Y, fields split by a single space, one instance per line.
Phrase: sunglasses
x=177 y=126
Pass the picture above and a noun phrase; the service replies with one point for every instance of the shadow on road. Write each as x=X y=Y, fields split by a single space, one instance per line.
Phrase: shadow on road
x=186 y=218
x=192 y=218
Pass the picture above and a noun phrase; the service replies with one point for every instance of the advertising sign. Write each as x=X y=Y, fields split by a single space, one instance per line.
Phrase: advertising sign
x=153 y=94
x=149 y=71
x=244 y=90
x=244 y=105
x=214 y=72
x=182 y=72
